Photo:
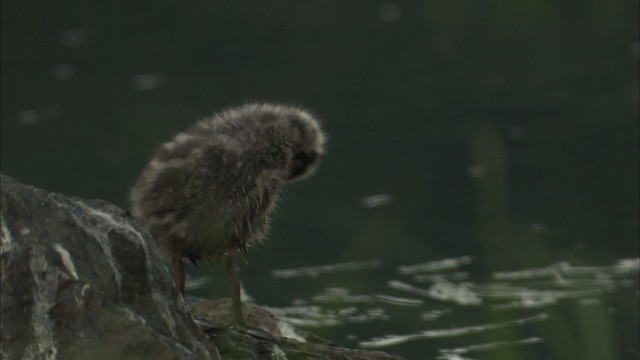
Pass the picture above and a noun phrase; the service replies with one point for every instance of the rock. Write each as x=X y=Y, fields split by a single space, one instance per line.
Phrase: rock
x=256 y=340
x=81 y=279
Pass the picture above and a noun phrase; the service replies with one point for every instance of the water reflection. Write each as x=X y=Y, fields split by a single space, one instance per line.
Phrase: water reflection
x=72 y=38
x=438 y=265
x=455 y=354
x=390 y=12
x=30 y=117
x=445 y=291
x=150 y=81
x=449 y=304
x=375 y=200
x=315 y=271
x=389 y=340
x=63 y=72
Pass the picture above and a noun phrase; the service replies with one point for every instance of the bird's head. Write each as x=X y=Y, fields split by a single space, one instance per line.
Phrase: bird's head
x=307 y=143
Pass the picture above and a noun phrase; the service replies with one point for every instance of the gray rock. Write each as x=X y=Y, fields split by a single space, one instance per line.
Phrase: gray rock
x=80 y=279
x=268 y=338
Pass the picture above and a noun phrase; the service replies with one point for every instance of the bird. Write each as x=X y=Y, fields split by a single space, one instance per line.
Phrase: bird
x=207 y=194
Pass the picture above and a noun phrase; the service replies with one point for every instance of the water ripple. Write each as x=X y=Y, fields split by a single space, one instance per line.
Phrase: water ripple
x=315 y=271
x=438 y=265
x=389 y=340
x=454 y=354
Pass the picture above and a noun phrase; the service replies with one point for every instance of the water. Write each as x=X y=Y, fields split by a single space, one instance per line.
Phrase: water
x=435 y=309
x=479 y=198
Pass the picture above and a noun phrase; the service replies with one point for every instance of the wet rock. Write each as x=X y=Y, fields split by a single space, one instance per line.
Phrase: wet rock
x=80 y=279
x=267 y=337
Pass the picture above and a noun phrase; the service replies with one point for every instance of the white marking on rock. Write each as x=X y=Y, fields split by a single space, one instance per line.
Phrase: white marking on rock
x=124 y=227
x=44 y=345
x=131 y=315
x=84 y=289
x=163 y=307
x=101 y=236
x=25 y=231
x=278 y=353
x=5 y=237
x=289 y=332
x=66 y=260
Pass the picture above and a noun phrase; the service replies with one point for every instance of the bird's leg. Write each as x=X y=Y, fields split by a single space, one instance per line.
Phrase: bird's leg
x=178 y=273
x=234 y=278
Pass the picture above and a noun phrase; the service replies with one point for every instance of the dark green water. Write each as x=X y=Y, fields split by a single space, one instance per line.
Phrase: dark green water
x=502 y=135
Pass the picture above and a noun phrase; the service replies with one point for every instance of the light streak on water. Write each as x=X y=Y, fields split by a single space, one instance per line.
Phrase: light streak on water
x=445 y=291
x=454 y=354
x=448 y=298
x=315 y=271
x=397 y=300
x=340 y=295
x=438 y=265
x=343 y=296
x=375 y=200
x=149 y=81
x=560 y=270
x=454 y=276
x=390 y=340
x=313 y=316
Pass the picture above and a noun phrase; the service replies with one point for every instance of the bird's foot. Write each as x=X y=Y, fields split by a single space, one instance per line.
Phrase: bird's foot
x=257 y=333
x=242 y=327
